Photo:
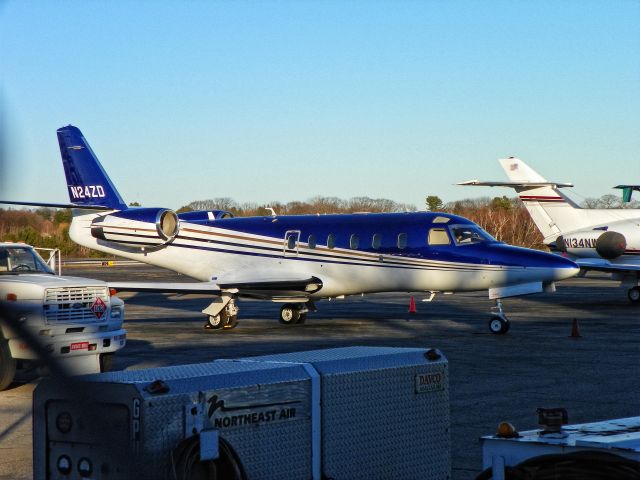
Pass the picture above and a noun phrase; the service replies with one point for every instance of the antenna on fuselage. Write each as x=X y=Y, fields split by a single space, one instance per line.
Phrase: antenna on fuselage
x=273 y=212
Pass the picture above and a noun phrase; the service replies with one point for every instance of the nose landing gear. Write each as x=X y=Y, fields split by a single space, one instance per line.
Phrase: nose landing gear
x=499 y=323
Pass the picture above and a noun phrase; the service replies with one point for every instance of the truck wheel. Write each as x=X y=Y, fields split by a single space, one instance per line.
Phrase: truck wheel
x=7 y=364
x=106 y=362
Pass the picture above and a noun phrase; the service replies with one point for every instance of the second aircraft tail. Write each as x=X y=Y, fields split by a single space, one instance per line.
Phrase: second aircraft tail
x=552 y=211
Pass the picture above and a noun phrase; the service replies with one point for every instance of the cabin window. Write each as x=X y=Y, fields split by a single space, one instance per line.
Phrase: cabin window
x=402 y=240
x=440 y=219
x=438 y=236
x=376 y=241
x=354 y=240
x=331 y=240
x=469 y=234
x=311 y=241
x=292 y=239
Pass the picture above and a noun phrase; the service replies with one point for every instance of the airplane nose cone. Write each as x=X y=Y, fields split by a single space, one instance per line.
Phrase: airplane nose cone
x=564 y=268
x=544 y=266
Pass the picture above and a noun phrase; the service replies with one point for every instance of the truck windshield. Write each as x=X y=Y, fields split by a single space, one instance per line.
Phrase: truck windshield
x=21 y=260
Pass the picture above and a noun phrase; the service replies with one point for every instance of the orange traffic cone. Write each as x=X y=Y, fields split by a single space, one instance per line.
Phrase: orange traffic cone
x=575 y=330
x=412 y=306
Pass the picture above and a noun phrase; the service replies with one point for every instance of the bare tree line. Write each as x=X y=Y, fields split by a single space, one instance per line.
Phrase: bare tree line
x=505 y=218
x=315 y=205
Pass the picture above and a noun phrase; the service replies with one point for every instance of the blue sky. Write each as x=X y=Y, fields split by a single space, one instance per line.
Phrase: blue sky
x=284 y=100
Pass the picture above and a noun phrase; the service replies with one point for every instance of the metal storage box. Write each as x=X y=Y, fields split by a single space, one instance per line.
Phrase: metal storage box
x=346 y=413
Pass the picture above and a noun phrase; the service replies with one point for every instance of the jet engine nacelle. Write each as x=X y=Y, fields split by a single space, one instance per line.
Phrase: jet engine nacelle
x=593 y=244
x=141 y=227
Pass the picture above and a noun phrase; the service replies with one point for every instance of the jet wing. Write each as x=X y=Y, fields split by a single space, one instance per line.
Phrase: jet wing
x=605 y=266
x=272 y=288
x=255 y=286
x=56 y=205
x=166 y=287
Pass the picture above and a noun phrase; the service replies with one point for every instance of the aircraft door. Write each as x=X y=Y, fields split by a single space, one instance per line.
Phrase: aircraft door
x=291 y=241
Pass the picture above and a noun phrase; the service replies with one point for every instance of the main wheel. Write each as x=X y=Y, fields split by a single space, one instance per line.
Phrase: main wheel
x=289 y=314
x=634 y=294
x=7 y=364
x=214 y=322
x=232 y=322
x=498 y=325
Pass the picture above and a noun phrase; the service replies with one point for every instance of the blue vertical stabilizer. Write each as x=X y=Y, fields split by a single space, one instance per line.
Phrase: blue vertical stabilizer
x=87 y=182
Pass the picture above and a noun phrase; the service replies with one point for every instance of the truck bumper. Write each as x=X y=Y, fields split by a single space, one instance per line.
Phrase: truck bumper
x=72 y=346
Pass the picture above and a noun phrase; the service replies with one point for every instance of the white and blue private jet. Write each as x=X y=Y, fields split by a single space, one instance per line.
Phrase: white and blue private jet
x=296 y=259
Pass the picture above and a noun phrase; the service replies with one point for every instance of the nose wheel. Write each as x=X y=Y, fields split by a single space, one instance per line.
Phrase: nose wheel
x=499 y=323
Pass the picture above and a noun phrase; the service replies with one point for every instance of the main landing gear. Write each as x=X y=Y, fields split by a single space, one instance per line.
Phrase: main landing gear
x=222 y=313
x=634 y=294
x=294 y=313
x=499 y=323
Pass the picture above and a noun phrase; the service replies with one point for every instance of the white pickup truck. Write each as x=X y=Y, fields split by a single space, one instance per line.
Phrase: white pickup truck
x=76 y=319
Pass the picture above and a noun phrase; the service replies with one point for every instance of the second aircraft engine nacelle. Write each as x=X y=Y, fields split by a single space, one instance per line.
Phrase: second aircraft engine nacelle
x=140 y=227
x=593 y=244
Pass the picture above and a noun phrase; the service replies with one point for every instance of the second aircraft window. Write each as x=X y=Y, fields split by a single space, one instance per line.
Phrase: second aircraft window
x=354 y=241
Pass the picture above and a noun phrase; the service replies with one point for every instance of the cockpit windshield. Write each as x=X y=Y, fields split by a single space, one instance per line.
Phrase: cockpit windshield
x=470 y=234
x=15 y=260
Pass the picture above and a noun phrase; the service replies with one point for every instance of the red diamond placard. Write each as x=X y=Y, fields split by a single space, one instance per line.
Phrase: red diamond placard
x=99 y=307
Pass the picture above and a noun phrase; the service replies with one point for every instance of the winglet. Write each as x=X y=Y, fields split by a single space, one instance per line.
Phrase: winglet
x=87 y=182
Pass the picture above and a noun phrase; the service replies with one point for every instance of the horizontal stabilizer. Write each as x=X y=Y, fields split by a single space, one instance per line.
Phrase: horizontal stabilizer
x=478 y=183
x=56 y=205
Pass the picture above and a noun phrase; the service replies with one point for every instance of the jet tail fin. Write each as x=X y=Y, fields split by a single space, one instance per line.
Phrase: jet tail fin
x=88 y=184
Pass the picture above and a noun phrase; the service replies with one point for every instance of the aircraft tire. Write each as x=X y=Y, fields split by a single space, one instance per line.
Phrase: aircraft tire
x=7 y=364
x=634 y=294
x=499 y=325
x=289 y=314
x=214 y=322
x=232 y=322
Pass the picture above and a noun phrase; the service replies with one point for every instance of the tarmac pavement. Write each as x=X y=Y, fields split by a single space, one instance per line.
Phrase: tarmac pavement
x=492 y=378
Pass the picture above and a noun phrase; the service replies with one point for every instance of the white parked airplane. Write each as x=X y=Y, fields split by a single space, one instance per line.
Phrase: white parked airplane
x=600 y=239
x=297 y=259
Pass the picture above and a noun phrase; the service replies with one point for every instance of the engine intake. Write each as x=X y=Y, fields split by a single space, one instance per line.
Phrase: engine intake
x=593 y=243
x=611 y=245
